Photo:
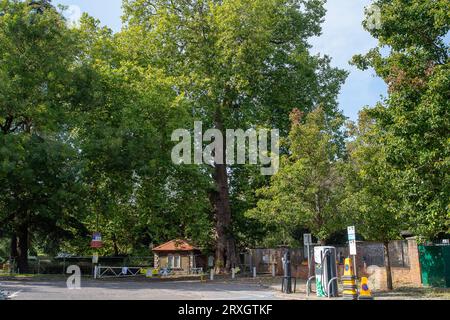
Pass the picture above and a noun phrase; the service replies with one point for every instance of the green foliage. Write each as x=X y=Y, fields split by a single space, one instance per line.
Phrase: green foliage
x=36 y=55
x=40 y=179
x=414 y=119
x=371 y=201
x=86 y=118
x=138 y=197
x=308 y=188
x=248 y=59
x=39 y=166
x=251 y=57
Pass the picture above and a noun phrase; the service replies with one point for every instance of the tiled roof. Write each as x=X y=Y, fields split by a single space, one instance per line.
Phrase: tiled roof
x=176 y=245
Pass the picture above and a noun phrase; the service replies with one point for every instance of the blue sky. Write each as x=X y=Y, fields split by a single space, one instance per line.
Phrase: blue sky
x=343 y=36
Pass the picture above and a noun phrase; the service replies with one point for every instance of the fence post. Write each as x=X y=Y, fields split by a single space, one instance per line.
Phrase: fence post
x=273 y=270
x=211 y=276
x=403 y=254
x=254 y=272
x=233 y=273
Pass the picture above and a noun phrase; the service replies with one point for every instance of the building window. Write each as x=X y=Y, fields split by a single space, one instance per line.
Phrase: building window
x=174 y=262
x=177 y=262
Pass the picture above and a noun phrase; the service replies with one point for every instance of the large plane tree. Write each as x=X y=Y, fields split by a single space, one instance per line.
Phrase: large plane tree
x=239 y=64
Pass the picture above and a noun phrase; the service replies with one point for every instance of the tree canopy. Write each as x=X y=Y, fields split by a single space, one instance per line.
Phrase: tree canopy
x=414 y=119
x=87 y=116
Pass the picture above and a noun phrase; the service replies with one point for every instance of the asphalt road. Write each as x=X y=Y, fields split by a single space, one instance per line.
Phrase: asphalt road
x=136 y=290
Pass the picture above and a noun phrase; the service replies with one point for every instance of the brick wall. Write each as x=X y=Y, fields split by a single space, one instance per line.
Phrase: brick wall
x=370 y=262
x=301 y=271
x=401 y=276
x=414 y=261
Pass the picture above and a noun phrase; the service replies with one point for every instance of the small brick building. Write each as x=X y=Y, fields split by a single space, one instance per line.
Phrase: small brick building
x=180 y=256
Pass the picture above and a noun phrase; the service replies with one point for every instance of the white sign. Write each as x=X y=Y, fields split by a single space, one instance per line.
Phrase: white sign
x=210 y=261
x=352 y=244
x=351 y=230
x=307 y=239
x=351 y=233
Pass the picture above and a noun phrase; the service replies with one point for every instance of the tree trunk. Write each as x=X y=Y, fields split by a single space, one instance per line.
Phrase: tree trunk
x=22 y=249
x=116 y=248
x=226 y=257
x=13 y=252
x=387 y=263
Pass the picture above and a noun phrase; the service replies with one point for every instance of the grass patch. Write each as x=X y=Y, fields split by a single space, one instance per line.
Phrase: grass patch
x=423 y=293
x=437 y=293
x=17 y=277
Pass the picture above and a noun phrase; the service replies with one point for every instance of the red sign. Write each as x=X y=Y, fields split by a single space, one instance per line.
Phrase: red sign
x=96 y=244
x=96 y=240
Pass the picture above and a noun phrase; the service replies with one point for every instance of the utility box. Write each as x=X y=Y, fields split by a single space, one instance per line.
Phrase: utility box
x=326 y=269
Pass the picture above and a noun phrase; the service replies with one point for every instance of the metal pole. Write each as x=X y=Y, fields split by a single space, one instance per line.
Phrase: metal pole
x=329 y=285
x=251 y=259
x=355 y=266
x=308 y=285
x=287 y=279
x=254 y=272
x=309 y=260
x=211 y=276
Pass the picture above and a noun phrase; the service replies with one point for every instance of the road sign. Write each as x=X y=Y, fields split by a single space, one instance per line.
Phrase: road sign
x=351 y=233
x=307 y=239
x=96 y=240
x=351 y=230
x=352 y=244
x=352 y=239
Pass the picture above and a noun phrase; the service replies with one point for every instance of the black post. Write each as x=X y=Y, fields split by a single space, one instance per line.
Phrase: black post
x=287 y=279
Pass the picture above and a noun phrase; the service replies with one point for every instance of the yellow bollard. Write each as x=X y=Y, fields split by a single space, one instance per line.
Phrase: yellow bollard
x=349 y=281
x=365 y=293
